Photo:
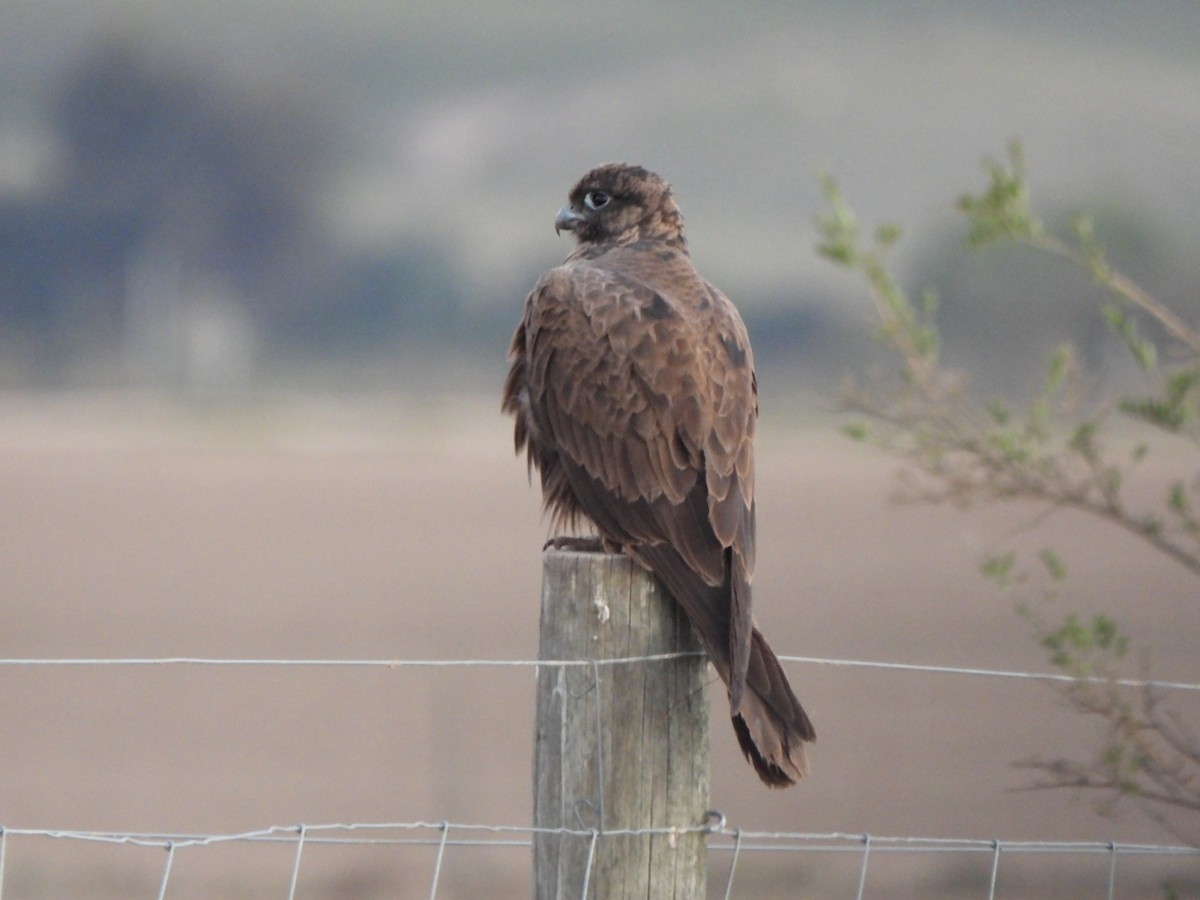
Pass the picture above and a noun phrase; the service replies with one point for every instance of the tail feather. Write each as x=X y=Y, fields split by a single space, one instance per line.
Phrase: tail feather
x=741 y=630
x=771 y=725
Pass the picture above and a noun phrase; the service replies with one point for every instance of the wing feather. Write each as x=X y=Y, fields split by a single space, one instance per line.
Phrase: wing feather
x=644 y=400
x=627 y=397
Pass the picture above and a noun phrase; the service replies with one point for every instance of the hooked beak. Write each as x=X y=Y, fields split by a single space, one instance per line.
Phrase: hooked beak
x=567 y=220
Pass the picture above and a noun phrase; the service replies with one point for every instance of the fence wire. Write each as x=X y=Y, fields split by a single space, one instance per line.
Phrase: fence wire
x=534 y=663
x=722 y=838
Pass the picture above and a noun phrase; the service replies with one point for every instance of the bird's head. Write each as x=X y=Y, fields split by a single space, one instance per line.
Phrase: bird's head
x=619 y=203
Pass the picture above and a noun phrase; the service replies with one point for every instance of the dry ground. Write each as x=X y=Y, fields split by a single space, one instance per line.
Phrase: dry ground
x=380 y=530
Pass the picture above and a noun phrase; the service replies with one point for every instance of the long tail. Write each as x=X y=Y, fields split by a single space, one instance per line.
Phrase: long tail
x=770 y=724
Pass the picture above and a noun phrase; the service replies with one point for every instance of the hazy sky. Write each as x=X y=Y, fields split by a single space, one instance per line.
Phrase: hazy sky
x=470 y=121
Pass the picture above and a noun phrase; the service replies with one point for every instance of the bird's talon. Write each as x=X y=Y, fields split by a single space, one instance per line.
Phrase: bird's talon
x=576 y=544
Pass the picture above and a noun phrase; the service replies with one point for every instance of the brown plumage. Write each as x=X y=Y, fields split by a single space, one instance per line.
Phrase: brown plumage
x=633 y=388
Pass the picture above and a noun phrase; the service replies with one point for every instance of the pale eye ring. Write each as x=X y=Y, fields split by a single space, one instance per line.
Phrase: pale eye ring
x=596 y=199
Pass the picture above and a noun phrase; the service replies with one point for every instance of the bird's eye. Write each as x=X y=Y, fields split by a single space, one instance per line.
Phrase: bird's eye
x=596 y=199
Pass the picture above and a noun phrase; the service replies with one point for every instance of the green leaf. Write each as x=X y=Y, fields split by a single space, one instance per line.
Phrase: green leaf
x=1104 y=631
x=1176 y=408
x=1156 y=412
x=999 y=412
x=1011 y=446
x=1083 y=439
x=1143 y=352
x=1112 y=755
x=999 y=568
x=1089 y=247
x=857 y=431
x=1053 y=564
x=1002 y=211
x=1061 y=361
x=1181 y=384
x=837 y=227
x=1178 y=499
x=886 y=235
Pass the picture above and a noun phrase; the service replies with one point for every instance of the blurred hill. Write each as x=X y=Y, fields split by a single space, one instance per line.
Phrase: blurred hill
x=196 y=196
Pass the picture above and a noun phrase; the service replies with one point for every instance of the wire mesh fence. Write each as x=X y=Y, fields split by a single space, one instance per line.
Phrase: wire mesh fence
x=728 y=846
x=995 y=862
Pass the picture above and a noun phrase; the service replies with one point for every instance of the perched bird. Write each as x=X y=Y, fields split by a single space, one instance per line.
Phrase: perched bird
x=633 y=388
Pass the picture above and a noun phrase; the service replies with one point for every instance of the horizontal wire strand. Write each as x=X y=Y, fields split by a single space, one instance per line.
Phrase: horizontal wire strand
x=727 y=839
x=741 y=840
x=658 y=657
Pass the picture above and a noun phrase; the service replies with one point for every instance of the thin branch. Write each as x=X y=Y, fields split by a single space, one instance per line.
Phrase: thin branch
x=968 y=454
x=1122 y=286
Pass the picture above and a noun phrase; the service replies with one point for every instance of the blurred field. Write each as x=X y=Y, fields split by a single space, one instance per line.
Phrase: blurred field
x=378 y=529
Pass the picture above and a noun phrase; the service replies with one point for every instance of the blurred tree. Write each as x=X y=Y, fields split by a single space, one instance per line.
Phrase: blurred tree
x=175 y=192
x=182 y=236
x=397 y=297
x=1046 y=450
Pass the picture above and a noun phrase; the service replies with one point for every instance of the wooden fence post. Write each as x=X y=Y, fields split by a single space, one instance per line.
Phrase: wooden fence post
x=617 y=746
